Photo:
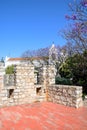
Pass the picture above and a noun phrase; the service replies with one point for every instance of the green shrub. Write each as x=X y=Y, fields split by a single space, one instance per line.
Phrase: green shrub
x=9 y=70
x=83 y=95
x=63 y=81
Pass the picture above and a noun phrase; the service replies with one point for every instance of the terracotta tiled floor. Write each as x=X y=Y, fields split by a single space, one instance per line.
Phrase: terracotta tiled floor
x=43 y=116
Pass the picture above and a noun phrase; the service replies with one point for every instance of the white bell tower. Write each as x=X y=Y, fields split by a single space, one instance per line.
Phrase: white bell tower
x=53 y=54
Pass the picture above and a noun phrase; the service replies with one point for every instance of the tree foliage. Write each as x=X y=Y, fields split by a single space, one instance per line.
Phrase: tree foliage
x=75 y=68
x=62 y=80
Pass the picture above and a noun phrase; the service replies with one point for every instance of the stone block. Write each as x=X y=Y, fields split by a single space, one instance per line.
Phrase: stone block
x=16 y=97
x=16 y=90
x=4 y=98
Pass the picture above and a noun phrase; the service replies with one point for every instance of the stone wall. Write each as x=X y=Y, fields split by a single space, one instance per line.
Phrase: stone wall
x=66 y=95
x=27 y=90
x=2 y=72
x=9 y=80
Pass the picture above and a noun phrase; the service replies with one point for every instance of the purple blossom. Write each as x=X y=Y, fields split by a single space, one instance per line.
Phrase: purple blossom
x=79 y=27
x=73 y=17
x=84 y=29
x=77 y=24
x=84 y=3
x=67 y=17
x=76 y=29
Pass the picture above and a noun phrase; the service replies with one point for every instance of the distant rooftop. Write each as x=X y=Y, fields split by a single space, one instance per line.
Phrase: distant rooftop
x=28 y=58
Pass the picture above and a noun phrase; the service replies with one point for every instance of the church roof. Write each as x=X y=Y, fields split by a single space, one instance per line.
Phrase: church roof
x=28 y=58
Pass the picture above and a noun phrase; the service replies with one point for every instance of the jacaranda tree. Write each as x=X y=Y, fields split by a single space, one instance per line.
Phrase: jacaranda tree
x=76 y=32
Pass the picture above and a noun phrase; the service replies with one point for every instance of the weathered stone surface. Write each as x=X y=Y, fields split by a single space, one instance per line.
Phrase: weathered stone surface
x=25 y=90
x=66 y=95
x=30 y=88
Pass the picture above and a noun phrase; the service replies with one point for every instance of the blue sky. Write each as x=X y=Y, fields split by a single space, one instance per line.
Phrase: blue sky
x=30 y=24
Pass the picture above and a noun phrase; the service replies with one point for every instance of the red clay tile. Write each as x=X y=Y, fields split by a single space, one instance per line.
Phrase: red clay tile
x=43 y=116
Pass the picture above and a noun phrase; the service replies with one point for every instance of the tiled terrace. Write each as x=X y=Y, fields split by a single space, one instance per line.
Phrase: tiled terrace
x=43 y=116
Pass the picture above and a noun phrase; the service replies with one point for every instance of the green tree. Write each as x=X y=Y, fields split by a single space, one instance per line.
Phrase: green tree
x=75 y=67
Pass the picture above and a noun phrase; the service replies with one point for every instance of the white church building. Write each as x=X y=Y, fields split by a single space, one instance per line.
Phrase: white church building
x=35 y=60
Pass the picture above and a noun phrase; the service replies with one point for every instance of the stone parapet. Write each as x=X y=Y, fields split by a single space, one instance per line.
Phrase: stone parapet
x=66 y=95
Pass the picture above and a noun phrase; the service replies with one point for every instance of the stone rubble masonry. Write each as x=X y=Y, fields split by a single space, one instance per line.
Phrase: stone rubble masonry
x=2 y=72
x=66 y=95
x=26 y=90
